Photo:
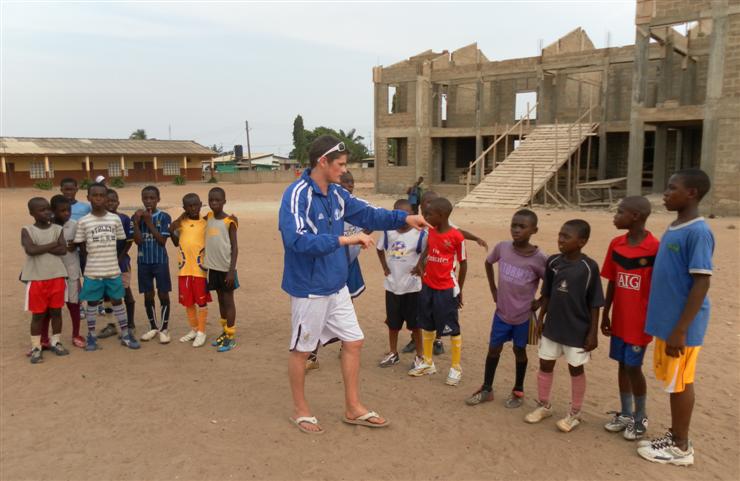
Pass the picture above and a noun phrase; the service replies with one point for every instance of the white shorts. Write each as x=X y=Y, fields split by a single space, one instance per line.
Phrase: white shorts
x=323 y=319
x=73 y=291
x=550 y=350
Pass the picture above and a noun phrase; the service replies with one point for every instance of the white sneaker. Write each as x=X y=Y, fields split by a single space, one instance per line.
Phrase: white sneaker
x=454 y=377
x=647 y=442
x=149 y=335
x=189 y=336
x=665 y=451
x=200 y=339
x=618 y=423
x=164 y=337
x=423 y=369
x=636 y=430
x=569 y=422
x=540 y=413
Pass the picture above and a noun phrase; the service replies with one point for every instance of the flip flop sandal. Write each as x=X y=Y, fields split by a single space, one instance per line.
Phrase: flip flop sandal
x=307 y=419
x=364 y=420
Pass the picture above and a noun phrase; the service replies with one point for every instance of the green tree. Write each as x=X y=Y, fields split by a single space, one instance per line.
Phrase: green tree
x=219 y=149
x=138 y=134
x=300 y=145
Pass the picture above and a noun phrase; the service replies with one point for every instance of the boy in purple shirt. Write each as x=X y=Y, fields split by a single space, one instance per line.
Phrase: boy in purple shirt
x=521 y=265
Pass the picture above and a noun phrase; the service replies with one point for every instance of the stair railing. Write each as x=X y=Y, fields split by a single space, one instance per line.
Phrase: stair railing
x=505 y=135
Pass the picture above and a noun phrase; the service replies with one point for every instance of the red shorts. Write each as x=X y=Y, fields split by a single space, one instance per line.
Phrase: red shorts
x=44 y=295
x=193 y=290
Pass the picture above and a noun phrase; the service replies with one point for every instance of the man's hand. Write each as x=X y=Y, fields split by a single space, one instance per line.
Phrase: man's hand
x=606 y=324
x=360 y=239
x=137 y=215
x=675 y=345
x=592 y=342
x=229 y=279
x=417 y=222
x=482 y=243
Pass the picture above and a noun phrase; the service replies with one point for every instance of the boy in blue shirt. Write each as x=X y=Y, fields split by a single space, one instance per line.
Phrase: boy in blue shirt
x=678 y=311
x=151 y=228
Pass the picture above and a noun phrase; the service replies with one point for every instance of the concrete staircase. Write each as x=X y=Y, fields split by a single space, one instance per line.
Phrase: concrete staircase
x=546 y=148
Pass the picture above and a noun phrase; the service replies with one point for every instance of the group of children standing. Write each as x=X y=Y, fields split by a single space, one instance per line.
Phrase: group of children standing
x=655 y=289
x=78 y=252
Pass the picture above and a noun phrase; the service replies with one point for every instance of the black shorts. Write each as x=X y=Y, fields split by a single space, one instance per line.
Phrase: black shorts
x=216 y=281
x=438 y=311
x=400 y=308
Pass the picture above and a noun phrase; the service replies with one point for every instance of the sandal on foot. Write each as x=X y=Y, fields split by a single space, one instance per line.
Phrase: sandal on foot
x=307 y=419
x=364 y=420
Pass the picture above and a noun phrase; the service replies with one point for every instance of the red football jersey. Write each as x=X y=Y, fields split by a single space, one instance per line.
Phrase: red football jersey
x=631 y=269
x=442 y=252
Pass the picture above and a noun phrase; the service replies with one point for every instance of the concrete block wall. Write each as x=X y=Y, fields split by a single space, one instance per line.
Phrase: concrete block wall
x=392 y=179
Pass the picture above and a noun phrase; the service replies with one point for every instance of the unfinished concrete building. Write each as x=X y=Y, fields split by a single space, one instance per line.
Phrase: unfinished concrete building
x=575 y=121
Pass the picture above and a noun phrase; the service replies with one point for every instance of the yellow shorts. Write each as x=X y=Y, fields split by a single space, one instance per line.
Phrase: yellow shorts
x=674 y=372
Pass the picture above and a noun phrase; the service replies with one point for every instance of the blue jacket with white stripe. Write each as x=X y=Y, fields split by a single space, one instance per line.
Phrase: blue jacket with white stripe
x=311 y=224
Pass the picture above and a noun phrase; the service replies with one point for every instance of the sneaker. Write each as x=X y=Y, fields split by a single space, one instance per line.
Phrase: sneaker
x=312 y=363
x=540 y=413
x=569 y=422
x=59 y=349
x=636 y=430
x=618 y=423
x=410 y=347
x=438 y=347
x=164 y=337
x=149 y=335
x=390 y=359
x=423 y=369
x=130 y=341
x=453 y=377
x=219 y=340
x=108 y=331
x=189 y=336
x=647 y=442
x=418 y=361
x=515 y=400
x=92 y=343
x=36 y=356
x=200 y=339
x=479 y=397
x=230 y=343
x=666 y=452
x=78 y=341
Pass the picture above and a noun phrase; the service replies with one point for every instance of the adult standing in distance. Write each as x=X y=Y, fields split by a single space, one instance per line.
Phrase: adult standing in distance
x=312 y=215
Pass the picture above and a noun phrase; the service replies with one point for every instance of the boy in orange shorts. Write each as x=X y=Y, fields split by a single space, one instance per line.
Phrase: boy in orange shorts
x=678 y=311
x=189 y=235
x=45 y=275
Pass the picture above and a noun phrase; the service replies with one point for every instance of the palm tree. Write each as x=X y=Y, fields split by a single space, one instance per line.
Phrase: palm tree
x=138 y=134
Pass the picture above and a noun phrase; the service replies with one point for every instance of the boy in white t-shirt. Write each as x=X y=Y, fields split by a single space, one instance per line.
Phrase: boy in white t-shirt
x=399 y=252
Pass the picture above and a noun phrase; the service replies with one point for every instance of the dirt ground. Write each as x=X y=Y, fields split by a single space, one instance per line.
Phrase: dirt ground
x=170 y=412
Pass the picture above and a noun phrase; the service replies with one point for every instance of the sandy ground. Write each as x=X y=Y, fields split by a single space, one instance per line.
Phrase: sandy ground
x=173 y=412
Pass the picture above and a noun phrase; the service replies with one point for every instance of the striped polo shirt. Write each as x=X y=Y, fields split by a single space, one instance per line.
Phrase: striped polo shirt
x=99 y=234
x=151 y=251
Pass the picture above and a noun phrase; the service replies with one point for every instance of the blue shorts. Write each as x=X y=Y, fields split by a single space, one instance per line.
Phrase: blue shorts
x=355 y=282
x=148 y=273
x=438 y=311
x=502 y=331
x=626 y=353
x=99 y=289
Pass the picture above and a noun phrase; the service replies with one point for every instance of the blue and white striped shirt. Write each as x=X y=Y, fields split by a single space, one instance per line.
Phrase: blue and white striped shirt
x=151 y=251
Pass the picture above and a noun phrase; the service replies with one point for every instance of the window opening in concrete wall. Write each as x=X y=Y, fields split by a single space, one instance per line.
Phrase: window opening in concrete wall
x=392 y=99
x=464 y=151
x=171 y=167
x=397 y=98
x=443 y=106
x=521 y=104
x=398 y=154
x=114 y=169
x=516 y=143
x=37 y=169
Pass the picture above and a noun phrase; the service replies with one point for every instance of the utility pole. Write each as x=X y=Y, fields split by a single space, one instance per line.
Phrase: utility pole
x=169 y=131
x=249 y=149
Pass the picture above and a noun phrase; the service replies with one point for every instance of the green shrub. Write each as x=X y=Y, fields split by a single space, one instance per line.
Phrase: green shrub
x=179 y=180
x=213 y=180
x=45 y=184
x=117 y=182
x=85 y=183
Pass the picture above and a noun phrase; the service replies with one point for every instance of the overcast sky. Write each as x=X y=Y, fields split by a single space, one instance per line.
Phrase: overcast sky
x=105 y=69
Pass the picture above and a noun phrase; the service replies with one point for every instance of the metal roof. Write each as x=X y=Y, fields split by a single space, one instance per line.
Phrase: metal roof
x=70 y=146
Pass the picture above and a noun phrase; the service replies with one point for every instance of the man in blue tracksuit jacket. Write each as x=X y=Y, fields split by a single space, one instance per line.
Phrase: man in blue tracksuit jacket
x=312 y=215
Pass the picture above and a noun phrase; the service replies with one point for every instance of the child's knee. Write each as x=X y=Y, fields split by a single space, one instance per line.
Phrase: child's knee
x=575 y=370
x=149 y=296
x=163 y=296
x=633 y=371
x=547 y=365
x=495 y=351
x=520 y=353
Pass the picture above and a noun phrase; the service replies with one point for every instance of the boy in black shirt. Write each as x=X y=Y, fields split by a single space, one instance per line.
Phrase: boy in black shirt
x=571 y=297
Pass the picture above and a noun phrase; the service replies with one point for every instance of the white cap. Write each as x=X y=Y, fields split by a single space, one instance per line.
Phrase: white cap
x=99 y=178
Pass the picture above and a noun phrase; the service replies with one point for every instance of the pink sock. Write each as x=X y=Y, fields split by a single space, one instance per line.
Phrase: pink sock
x=544 y=386
x=578 y=392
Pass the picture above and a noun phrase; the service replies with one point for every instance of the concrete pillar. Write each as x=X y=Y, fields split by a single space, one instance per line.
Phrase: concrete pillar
x=123 y=166
x=46 y=166
x=4 y=170
x=678 y=160
x=637 y=126
x=665 y=82
x=479 y=168
x=185 y=162
x=87 y=165
x=604 y=118
x=156 y=175
x=715 y=77
x=423 y=149
x=659 y=159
